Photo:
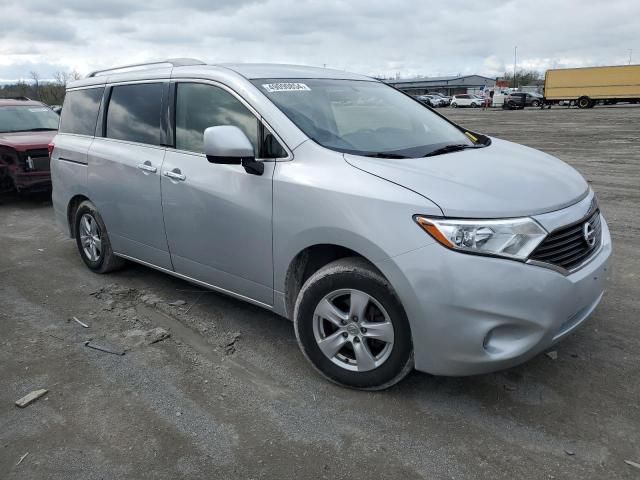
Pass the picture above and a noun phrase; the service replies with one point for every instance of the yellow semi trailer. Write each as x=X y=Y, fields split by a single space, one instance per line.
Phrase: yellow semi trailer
x=587 y=86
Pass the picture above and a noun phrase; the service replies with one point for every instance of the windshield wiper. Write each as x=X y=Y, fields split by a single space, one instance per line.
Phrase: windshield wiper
x=385 y=155
x=451 y=148
x=39 y=129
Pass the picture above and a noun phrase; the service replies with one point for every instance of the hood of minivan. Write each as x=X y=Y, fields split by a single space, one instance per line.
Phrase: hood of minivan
x=499 y=181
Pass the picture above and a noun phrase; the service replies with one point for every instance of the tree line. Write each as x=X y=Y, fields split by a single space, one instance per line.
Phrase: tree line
x=47 y=91
x=523 y=77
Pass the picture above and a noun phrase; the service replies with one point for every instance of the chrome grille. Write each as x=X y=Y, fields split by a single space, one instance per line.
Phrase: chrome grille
x=567 y=247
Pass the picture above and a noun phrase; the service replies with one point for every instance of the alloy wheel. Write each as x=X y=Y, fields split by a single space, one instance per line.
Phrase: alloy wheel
x=90 y=237
x=353 y=330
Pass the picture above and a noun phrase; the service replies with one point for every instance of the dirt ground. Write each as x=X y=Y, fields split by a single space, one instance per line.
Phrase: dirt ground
x=229 y=395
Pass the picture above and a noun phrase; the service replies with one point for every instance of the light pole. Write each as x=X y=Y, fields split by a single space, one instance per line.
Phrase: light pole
x=630 y=53
x=515 y=57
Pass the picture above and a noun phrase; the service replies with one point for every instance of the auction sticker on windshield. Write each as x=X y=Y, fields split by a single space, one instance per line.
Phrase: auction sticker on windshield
x=285 y=87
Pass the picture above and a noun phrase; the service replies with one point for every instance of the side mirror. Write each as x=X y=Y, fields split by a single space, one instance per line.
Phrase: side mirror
x=227 y=144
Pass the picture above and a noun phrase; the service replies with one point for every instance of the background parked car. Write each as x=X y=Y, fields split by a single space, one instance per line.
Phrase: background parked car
x=431 y=100
x=26 y=129
x=519 y=100
x=424 y=99
x=437 y=100
x=446 y=99
x=466 y=100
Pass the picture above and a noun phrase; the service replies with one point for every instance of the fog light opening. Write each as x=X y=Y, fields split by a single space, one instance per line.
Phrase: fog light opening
x=510 y=340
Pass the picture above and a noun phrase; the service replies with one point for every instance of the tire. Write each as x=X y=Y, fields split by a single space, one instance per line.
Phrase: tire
x=93 y=241
x=535 y=103
x=454 y=105
x=328 y=293
x=584 y=102
x=474 y=105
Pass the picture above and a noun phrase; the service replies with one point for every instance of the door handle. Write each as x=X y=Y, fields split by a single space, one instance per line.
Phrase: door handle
x=174 y=175
x=147 y=167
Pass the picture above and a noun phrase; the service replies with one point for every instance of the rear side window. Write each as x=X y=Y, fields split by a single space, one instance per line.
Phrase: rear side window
x=80 y=111
x=134 y=113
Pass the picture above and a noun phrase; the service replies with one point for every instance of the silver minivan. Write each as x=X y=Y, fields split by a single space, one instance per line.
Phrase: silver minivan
x=391 y=237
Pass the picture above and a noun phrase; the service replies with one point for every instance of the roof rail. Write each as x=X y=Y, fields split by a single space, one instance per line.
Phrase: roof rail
x=175 y=62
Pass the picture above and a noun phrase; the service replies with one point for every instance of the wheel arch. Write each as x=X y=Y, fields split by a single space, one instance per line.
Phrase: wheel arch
x=72 y=206
x=308 y=261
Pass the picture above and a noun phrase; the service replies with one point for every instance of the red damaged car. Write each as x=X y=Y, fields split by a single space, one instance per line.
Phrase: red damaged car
x=26 y=129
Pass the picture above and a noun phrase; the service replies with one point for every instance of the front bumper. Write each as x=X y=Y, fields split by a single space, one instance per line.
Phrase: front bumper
x=472 y=314
x=32 y=181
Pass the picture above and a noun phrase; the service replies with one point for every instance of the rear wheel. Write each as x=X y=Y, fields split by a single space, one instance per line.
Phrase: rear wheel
x=93 y=241
x=454 y=105
x=352 y=328
x=584 y=102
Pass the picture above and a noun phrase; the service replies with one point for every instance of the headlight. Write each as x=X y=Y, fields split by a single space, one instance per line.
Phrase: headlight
x=513 y=238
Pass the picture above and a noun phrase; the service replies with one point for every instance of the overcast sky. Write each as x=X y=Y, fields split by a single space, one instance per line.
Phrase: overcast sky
x=374 y=37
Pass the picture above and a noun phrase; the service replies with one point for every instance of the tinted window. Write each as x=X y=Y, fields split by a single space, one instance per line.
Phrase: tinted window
x=80 y=111
x=134 y=113
x=271 y=148
x=200 y=106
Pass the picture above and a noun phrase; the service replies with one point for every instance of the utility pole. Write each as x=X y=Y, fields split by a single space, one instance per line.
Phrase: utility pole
x=630 y=53
x=515 y=57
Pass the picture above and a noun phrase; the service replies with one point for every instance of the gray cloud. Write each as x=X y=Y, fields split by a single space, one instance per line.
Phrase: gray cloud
x=375 y=37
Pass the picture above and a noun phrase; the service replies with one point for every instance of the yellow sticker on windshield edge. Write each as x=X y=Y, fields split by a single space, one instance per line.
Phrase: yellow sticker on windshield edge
x=474 y=139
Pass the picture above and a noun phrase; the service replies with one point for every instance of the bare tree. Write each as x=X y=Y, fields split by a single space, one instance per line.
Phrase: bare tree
x=35 y=76
x=23 y=88
x=50 y=91
x=524 y=77
x=61 y=78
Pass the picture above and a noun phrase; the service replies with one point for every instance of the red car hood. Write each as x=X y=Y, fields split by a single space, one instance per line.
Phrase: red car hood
x=22 y=141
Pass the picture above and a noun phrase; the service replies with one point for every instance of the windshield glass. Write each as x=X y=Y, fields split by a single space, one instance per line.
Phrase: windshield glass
x=361 y=117
x=24 y=118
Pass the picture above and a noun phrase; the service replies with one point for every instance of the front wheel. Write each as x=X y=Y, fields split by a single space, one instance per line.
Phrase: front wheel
x=474 y=105
x=454 y=105
x=535 y=103
x=352 y=328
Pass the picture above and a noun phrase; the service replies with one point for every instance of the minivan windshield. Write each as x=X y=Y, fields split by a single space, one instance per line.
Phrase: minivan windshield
x=362 y=117
x=27 y=118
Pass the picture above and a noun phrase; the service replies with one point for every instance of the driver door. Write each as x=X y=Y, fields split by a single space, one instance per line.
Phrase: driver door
x=217 y=217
